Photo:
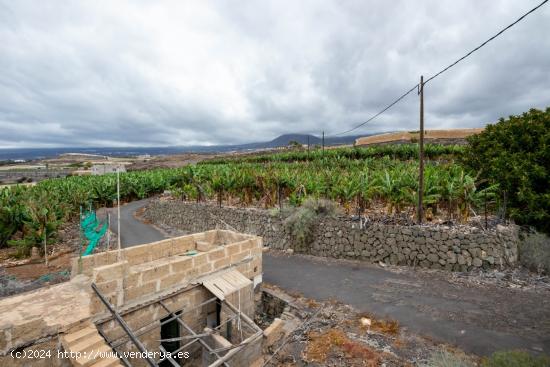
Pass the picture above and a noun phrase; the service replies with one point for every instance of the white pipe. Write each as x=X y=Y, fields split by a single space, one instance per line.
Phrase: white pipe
x=118 y=210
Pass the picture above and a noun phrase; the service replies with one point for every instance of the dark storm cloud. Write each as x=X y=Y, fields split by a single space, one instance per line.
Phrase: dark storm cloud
x=179 y=73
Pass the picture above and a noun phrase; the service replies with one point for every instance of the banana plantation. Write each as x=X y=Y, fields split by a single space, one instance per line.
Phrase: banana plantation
x=356 y=178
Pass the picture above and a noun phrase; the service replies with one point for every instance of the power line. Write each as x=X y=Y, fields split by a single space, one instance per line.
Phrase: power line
x=443 y=70
x=486 y=42
x=381 y=112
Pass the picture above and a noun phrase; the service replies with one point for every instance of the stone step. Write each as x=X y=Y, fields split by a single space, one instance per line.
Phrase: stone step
x=90 y=345
x=80 y=335
x=87 y=344
x=112 y=362
x=90 y=358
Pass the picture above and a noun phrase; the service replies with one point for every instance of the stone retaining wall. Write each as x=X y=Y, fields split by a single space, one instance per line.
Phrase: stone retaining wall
x=456 y=248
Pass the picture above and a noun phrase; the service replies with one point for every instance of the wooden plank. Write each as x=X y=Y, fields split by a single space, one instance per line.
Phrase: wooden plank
x=222 y=285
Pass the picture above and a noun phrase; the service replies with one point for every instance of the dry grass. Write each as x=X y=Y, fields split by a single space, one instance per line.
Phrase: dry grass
x=312 y=303
x=390 y=327
x=322 y=345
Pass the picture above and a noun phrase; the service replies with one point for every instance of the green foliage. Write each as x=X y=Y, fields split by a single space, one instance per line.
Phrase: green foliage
x=301 y=222
x=354 y=177
x=39 y=225
x=515 y=153
x=515 y=359
x=12 y=212
x=300 y=225
x=395 y=151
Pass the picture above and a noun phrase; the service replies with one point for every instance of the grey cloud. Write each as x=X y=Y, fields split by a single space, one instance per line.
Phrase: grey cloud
x=210 y=72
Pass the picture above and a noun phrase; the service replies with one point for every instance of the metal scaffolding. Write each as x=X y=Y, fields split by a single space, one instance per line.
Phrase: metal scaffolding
x=222 y=354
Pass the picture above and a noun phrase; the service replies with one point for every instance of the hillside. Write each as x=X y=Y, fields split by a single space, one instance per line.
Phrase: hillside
x=450 y=136
x=280 y=141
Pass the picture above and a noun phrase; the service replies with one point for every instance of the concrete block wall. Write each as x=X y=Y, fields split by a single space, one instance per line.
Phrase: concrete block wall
x=139 y=278
x=141 y=272
x=454 y=248
x=132 y=281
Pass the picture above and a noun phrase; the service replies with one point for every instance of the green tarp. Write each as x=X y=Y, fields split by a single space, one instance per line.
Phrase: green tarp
x=92 y=229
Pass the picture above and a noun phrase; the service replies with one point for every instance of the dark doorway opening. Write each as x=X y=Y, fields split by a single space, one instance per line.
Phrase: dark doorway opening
x=170 y=330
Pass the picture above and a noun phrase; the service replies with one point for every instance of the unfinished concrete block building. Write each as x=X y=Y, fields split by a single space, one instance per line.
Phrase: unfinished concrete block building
x=182 y=301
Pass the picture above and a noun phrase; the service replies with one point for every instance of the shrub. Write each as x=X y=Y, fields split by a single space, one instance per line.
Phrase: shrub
x=443 y=358
x=534 y=251
x=514 y=153
x=515 y=359
x=301 y=223
x=321 y=206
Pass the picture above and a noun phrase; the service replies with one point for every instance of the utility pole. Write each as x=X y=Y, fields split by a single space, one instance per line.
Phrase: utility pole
x=118 y=209
x=421 y=153
x=323 y=141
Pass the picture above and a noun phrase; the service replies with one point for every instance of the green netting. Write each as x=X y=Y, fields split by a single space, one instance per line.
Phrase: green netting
x=92 y=229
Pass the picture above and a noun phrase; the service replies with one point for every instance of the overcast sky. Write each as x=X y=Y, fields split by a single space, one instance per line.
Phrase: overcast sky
x=155 y=73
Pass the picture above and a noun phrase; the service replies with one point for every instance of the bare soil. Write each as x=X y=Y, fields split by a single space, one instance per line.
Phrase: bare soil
x=22 y=275
x=169 y=161
x=330 y=333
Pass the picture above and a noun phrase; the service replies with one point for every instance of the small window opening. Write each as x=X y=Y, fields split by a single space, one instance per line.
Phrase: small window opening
x=170 y=330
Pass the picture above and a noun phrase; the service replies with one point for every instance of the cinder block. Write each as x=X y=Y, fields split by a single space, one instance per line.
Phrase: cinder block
x=221 y=263
x=203 y=246
x=240 y=256
x=200 y=259
x=132 y=280
x=110 y=287
x=216 y=254
x=182 y=265
x=206 y=268
x=109 y=272
x=179 y=302
x=247 y=245
x=96 y=306
x=273 y=332
x=183 y=244
x=171 y=280
x=137 y=255
x=233 y=249
x=140 y=318
x=243 y=268
x=155 y=273
x=133 y=293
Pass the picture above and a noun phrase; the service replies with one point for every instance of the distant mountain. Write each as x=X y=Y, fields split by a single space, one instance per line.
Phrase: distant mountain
x=28 y=154
x=280 y=141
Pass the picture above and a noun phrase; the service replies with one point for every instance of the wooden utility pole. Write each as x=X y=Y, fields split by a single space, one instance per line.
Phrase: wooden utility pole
x=323 y=141
x=421 y=153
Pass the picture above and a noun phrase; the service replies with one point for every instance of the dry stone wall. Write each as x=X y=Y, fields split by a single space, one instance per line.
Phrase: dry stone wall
x=456 y=248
